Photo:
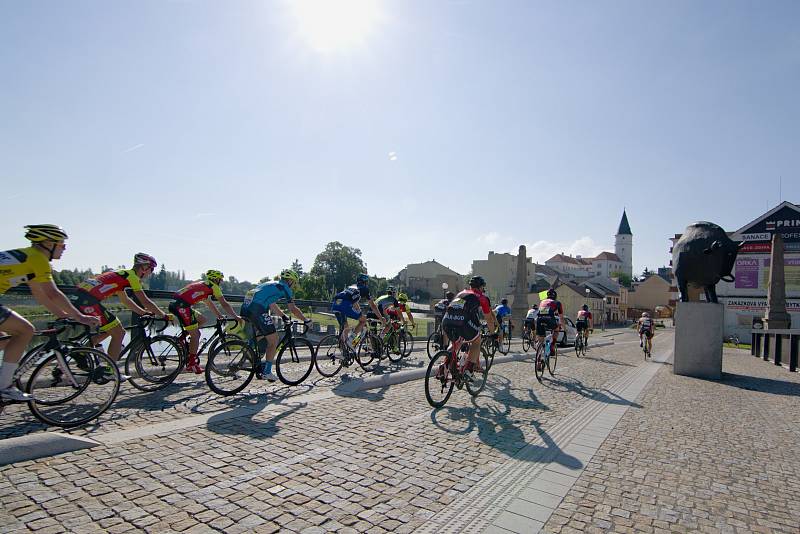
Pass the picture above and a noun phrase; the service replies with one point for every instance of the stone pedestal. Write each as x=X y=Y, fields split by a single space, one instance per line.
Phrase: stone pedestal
x=698 y=340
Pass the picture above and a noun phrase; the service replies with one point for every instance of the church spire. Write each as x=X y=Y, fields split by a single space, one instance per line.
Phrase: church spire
x=624 y=227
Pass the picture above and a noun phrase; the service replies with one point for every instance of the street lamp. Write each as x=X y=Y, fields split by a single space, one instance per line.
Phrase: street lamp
x=444 y=289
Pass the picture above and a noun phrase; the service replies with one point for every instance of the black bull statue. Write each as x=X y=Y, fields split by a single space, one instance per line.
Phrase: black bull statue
x=703 y=256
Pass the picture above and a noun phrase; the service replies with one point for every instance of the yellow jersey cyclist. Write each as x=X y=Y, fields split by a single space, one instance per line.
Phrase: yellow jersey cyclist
x=31 y=265
x=194 y=293
x=259 y=301
x=92 y=292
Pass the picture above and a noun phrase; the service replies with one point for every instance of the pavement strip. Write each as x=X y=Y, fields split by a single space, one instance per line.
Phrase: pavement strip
x=521 y=494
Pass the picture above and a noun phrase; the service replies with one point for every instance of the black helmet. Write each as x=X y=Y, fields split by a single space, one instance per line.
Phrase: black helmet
x=585 y=307
x=551 y=294
x=390 y=290
x=449 y=295
x=477 y=281
x=504 y=302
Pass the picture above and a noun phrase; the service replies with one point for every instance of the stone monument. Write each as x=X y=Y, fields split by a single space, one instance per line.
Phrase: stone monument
x=777 y=317
x=519 y=307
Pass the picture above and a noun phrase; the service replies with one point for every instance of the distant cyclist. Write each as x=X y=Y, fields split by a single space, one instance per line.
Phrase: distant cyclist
x=584 y=322
x=91 y=293
x=645 y=327
x=31 y=265
x=259 y=301
x=530 y=319
x=394 y=313
x=438 y=314
x=194 y=293
x=551 y=314
x=463 y=320
x=347 y=305
x=503 y=312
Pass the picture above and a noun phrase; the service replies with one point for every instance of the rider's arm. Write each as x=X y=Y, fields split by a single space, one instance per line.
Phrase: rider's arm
x=297 y=312
x=410 y=317
x=376 y=311
x=138 y=310
x=148 y=304
x=48 y=295
x=491 y=321
x=211 y=306
x=276 y=310
x=227 y=307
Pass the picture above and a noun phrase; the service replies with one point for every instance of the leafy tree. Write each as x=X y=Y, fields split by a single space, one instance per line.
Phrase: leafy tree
x=624 y=279
x=338 y=265
x=297 y=267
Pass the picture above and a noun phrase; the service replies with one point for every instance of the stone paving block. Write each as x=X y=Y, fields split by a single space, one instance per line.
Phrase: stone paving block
x=517 y=523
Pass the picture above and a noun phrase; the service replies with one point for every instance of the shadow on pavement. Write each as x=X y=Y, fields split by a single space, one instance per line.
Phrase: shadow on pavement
x=228 y=423
x=605 y=360
x=763 y=385
x=566 y=383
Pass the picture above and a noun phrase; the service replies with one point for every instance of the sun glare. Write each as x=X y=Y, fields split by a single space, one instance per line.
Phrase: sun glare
x=336 y=25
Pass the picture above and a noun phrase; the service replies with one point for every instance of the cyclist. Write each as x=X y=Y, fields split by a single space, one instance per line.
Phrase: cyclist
x=463 y=320
x=501 y=312
x=199 y=291
x=92 y=292
x=395 y=312
x=346 y=304
x=584 y=322
x=386 y=300
x=551 y=313
x=645 y=327
x=530 y=319
x=438 y=314
x=262 y=299
x=31 y=265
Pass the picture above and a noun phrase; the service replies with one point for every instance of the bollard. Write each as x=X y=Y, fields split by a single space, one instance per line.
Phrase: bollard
x=331 y=329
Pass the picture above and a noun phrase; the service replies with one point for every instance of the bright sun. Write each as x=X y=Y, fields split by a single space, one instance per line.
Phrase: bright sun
x=336 y=25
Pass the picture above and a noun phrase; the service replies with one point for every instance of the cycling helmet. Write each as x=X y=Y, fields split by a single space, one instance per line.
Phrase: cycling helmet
x=585 y=307
x=504 y=302
x=363 y=277
x=214 y=276
x=551 y=294
x=390 y=290
x=290 y=276
x=36 y=233
x=145 y=259
x=402 y=297
x=477 y=282
x=645 y=314
x=449 y=295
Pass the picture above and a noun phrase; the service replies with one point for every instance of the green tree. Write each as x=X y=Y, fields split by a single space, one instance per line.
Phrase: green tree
x=338 y=265
x=624 y=279
x=297 y=267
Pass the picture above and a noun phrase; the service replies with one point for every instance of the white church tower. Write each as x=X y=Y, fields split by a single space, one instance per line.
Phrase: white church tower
x=623 y=245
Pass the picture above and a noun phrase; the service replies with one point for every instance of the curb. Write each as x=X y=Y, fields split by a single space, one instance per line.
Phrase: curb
x=33 y=446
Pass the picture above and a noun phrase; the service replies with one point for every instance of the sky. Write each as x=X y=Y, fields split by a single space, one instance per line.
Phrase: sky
x=241 y=135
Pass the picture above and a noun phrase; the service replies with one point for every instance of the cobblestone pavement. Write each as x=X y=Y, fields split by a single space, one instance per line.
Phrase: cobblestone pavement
x=375 y=461
x=699 y=456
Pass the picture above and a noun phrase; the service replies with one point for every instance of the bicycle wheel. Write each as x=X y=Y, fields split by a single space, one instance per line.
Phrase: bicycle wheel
x=409 y=343
x=478 y=382
x=328 y=356
x=434 y=344
x=76 y=391
x=506 y=348
x=438 y=380
x=294 y=361
x=370 y=349
x=396 y=347
x=526 y=342
x=538 y=362
x=578 y=345
x=231 y=366
x=487 y=354
x=552 y=361
x=155 y=362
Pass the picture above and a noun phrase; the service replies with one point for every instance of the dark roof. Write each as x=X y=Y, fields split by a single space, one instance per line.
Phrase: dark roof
x=608 y=256
x=624 y=227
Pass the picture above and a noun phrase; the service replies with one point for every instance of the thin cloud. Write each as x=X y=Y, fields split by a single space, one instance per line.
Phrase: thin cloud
x=134 y=147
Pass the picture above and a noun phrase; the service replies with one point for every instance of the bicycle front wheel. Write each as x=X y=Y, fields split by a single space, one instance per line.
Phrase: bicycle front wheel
x=438 y=380
x=231 y=366
x=154 y=363
x=487 y=354
x=74 y=391
x=294 y=361
x=396 y=347
x=434 y=344
x=526 y=342
x=409 y=343
x=478 y=382
x=328 y=356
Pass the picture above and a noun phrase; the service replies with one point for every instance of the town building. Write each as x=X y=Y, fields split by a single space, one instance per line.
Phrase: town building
x=647 y=295
x=500 y=273
x=424 y=280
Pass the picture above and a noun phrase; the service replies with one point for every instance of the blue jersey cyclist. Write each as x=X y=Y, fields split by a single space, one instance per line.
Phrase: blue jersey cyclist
x=502 y=311
x=346 y=305
x=263 y=299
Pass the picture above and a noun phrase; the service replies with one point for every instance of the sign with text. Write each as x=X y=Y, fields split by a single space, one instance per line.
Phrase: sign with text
x=752 y=272
x=785 y=221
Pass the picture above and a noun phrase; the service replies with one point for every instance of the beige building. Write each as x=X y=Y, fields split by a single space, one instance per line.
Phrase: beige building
x=500 y=273
x=573 y=296
x=428 y=277
x=654 y=291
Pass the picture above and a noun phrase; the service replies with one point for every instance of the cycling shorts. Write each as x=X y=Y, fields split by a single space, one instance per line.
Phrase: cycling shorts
x=345 y=310
x=545 y=323
x=581 y=325
x=89 y=305
x=464 y=331
x=5 y=313
x=185 y=314
x=648 y=333
x=259 y=317
x=392 y=314
x=529 y=323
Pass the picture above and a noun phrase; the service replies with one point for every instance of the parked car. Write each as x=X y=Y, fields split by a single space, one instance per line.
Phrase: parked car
x=568 y=332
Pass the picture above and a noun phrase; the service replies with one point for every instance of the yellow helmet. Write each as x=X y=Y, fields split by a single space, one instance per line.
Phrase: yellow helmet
x=36 y=233
x=290 y=275
x=402 y=297
x=214 y=276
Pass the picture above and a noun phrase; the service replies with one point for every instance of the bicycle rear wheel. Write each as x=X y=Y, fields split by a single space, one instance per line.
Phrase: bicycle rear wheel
x=409 y=343
x=438 y=380
x=487 y=354
x=506 y=348
x=552 y=361
x=538 y=362
x=294 y=361
x=369 y=350
x=75 y=392
x=231 y=366
x=526 y=342
x=578 y=344
x=154 y=363
x=328 y=356
x=395 y=353
x=478 y=382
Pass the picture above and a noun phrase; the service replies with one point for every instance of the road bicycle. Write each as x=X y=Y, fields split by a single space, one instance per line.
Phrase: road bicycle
x=397 y=341
x=647 y=346
x=546 y=356
x=447 y=369
x=332 y=352
x=733 y=339
x=435 y=342
x=505 y=346
x=233 y=363
x=528 y=339
x=580 y=345
x=208 y=344
x=71 y=384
